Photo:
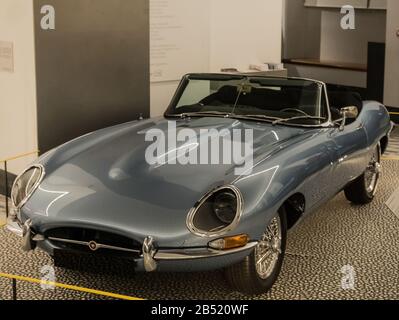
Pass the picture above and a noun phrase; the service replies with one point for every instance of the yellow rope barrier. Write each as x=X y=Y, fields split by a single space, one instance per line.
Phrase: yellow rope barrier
x=70 y=287
x=394 y=113
x=390 y=158
x=20 y=156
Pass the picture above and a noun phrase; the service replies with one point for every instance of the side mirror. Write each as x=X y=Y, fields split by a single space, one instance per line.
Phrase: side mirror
x=350 y=112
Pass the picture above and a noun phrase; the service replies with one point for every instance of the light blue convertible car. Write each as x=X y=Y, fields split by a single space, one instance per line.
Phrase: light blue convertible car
x=99 y=195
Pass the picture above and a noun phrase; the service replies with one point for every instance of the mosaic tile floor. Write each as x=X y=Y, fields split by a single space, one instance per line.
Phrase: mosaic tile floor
x=393 y=148
x=2 y=211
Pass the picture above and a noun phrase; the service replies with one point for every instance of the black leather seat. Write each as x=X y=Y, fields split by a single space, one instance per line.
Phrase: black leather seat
x=262 y=98
x=225 y=95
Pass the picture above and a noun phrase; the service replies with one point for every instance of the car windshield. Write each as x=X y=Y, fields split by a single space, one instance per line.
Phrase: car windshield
x=277 y=100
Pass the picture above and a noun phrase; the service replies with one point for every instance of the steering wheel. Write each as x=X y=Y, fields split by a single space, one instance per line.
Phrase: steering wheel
x=295 y=110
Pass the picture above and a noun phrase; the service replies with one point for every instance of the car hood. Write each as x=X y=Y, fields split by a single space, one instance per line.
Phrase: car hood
x=103 y=178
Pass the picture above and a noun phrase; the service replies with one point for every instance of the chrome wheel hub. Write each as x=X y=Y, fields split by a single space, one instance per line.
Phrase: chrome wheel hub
x=372 y=173
x=268 y=250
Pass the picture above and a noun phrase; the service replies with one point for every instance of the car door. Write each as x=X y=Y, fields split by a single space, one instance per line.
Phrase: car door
x=350 y=156
x=320 y=185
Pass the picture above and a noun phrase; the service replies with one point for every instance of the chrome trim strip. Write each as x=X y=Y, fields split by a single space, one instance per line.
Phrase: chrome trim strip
x=98 y=245
x=255 y=76
x=192 y=254
x=35 y=186
x=208 y=234
x=27 y=243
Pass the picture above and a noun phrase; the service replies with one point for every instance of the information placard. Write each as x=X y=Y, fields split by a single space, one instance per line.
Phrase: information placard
x=179 y=38
x=6 y=56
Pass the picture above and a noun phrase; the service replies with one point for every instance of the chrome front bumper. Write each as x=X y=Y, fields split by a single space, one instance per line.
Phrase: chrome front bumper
x=150 y=254
x=14 y=227
x=29 y=239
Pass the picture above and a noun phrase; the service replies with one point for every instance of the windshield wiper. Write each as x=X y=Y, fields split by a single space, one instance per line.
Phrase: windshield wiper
x=278 y=121
x=200 y=114
x=254 y=117
x=225 y=115
x=273 y=120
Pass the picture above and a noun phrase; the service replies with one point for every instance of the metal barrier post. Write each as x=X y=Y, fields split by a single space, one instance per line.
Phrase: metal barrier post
x=6 y=191
x=14 y=289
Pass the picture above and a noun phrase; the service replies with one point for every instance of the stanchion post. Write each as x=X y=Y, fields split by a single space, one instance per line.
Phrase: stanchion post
x=6 y=190
x=14 y=289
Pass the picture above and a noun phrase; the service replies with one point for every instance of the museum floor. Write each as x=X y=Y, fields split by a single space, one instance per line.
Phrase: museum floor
x=340 y=234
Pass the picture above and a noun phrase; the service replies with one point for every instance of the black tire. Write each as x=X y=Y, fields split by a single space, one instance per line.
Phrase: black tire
x=243 y=277
x=357 y=192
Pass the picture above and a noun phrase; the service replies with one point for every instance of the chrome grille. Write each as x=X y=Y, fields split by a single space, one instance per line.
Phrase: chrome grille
x=87 y=240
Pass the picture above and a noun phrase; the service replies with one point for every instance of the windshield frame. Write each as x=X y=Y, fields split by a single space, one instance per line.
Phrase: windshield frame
x=226 y=76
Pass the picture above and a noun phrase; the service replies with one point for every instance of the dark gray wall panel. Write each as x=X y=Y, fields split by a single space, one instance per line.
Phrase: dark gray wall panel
x=10 y=177
x=93 y=70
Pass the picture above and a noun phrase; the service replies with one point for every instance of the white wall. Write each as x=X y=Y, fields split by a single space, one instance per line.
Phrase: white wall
x=18 y=89
x=161 y=95
x=241 y=33
x=245 y=32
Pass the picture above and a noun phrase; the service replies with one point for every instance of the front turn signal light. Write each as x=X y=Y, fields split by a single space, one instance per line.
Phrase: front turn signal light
x=229 y=242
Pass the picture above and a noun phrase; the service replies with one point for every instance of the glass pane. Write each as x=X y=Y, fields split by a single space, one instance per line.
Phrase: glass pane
x=271 y=97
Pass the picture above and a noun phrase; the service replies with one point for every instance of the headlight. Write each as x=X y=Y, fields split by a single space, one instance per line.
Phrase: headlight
x=216 y=213
x=25 y=184
x=225 y=206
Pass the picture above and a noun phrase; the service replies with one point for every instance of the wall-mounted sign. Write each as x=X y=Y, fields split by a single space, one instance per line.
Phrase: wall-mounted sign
x=6 y=56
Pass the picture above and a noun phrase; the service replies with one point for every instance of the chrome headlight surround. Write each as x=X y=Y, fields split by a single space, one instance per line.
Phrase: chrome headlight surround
x=32 y=185
x=219 y=232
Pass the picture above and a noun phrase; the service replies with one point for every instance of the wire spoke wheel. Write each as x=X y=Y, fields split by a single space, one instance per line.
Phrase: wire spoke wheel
x=372 y=173
x=363 y=190
x=268 y=250
x=258 y=272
